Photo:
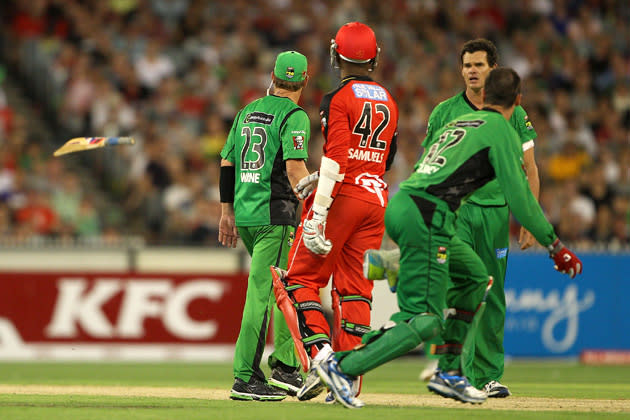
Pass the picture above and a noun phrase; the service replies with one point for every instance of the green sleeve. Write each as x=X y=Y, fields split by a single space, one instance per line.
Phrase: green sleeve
x=523 y=126
x=295 y=134
x=506 y=158
x=434 y=124
x=227 y=152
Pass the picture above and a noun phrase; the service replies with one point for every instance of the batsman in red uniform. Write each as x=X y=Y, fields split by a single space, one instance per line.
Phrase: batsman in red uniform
x=345 y=215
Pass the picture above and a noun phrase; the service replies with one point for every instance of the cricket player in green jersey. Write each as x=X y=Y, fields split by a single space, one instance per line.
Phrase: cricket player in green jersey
x=468 y=153
x=262 y=160
x=483 y=222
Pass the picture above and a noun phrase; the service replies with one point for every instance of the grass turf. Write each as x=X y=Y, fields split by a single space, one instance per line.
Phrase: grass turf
x=547 y=379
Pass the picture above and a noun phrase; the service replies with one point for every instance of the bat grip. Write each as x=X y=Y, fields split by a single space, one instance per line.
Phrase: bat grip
x=120 y=140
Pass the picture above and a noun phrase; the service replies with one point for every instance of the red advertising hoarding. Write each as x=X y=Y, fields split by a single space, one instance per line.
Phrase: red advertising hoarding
x=106 y=308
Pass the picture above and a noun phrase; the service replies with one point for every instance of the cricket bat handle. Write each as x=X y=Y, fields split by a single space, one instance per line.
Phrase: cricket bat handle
x=120 y=140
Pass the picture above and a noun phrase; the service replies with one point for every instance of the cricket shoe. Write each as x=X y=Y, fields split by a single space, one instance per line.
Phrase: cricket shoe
x=256 y=390
x=495 y=389
x=313 y=386
x=456 y=387
x=429 y=370
x=382 y=265
x=330 y=398
x=288 y=380
x=339 y=383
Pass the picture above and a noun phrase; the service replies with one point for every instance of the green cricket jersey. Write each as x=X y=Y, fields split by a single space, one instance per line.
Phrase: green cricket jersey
x=264 y=134
x=467 y=154
x=448 y=110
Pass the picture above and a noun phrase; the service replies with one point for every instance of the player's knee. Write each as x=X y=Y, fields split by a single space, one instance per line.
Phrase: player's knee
x=426 y=326
x=355 y=315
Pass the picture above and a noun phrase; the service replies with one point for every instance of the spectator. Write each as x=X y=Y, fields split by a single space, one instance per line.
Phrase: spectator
x=37 y=217
x=173 y=63
x=153 y=66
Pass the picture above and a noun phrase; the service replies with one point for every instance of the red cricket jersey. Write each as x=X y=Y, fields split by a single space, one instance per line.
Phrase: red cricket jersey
x=360 y=122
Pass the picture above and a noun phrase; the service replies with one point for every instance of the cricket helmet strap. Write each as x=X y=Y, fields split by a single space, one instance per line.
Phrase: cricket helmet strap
x=355 y=42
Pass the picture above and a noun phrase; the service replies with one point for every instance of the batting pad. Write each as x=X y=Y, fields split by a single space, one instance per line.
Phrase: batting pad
x=290 y=315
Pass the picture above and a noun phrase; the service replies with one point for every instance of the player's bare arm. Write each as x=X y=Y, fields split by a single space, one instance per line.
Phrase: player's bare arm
x=228 y=234
x=296 y=170
x=526 y=239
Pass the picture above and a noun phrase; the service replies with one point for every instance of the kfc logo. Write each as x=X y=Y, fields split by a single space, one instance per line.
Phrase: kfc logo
x=298 y=142
x=81 y=304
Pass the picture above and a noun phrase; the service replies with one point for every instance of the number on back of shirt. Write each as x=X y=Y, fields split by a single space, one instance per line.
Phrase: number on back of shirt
x=363 y=127
x=448 y=139
x=257 y=140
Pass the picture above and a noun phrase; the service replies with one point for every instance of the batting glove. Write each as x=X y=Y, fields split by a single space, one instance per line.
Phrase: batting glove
x=313 y=235
x=306 y=185
x=565 y=261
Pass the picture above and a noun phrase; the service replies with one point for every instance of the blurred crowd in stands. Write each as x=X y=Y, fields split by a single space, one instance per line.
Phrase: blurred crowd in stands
x=173 y=73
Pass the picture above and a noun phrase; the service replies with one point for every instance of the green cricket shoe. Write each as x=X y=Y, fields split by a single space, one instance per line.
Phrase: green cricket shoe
x=382 y=265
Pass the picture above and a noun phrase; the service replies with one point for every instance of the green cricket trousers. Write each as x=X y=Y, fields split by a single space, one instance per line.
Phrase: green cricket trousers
x=267 y=245
x=423 y=227
x=486 y=230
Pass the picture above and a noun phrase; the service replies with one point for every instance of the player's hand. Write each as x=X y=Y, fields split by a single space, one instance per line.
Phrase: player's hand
x=306 y=185
x=228 y=233
x=313 y=235
x=526 y=239
x=565 y=261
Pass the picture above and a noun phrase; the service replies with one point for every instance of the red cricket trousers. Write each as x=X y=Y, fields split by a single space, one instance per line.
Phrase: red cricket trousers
x=353 y=226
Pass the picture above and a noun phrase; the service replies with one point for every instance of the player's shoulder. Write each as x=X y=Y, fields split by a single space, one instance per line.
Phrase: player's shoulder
x=519 y=112
x=484 y=120
x=520 y=119
x=357 y=89
x=491 y=116
x=445 y=108
x=449 y=102
x=365 y=87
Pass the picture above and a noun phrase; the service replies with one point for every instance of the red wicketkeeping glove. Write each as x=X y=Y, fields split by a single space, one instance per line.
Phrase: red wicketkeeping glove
x=565 y=261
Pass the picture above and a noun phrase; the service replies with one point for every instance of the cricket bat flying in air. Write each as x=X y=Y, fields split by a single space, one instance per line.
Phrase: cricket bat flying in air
x=79 y=144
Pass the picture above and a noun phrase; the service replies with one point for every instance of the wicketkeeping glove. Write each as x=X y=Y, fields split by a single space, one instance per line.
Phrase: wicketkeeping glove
x=306 y=185
x=313 y=235
x=565 y=261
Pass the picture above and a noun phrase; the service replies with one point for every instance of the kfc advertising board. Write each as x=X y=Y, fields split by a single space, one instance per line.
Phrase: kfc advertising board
x=102 y=308
x=150 y=313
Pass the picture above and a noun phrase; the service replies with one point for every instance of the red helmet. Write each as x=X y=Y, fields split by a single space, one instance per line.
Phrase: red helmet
x=355 y=42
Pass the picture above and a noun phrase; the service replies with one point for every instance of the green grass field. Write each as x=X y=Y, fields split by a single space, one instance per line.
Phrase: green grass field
x=181 y=391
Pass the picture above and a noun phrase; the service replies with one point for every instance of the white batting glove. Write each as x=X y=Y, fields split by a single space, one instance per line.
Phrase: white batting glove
x=313 y=235
x=306 y=185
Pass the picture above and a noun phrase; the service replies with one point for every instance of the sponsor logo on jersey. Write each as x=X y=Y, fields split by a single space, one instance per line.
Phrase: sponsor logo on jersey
x=366 y=91
x=290 y=239
x=298 y=142
x=528 y=123
x=259 y=117
x=441 y=255
x=322 y=117
x=372 y=183
x=473 y=123
x=501 y=253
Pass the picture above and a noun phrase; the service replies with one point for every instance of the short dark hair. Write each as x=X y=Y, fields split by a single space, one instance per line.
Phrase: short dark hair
x=502 y=87
x=481 y=44
x=290 y=86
